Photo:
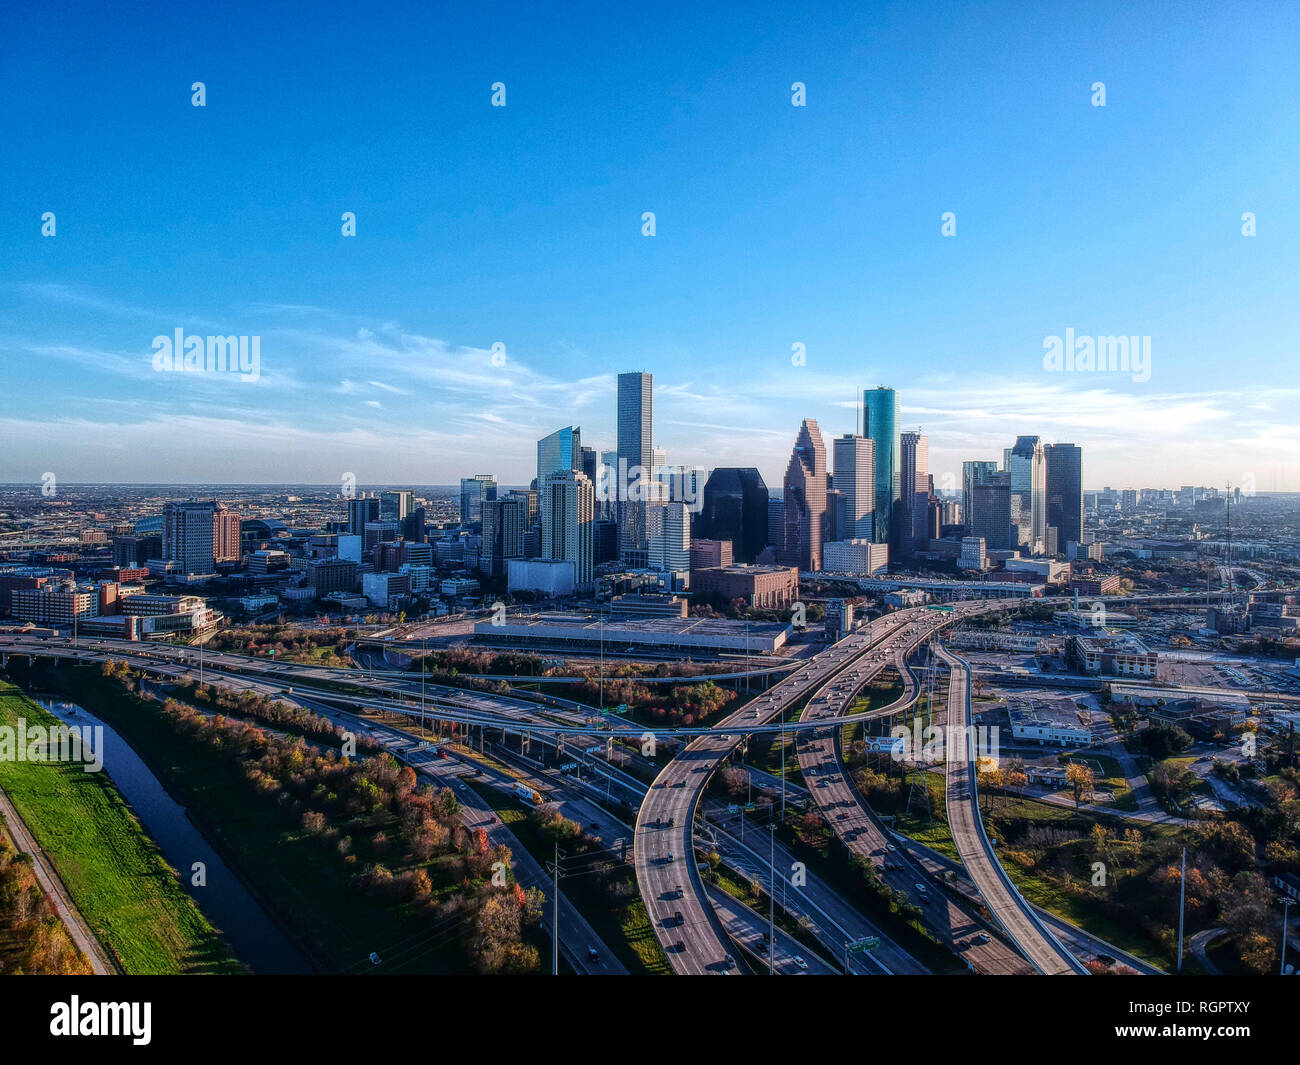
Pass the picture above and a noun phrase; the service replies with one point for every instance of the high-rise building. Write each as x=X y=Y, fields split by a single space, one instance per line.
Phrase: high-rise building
x=225 y=534
x=396 y=504
x=413 y=526
x=1065 y=492
x=568 y=518
x=734 y=508
x=990 y=517
x=914 y=480
x=804 y=513
x=590 y=464
x=668 y=527
x=880 y=425
x=1027 y=465
x=187 y=535
x=505 y=523
x=854 y=482
x=635 y=459
x=361 y=510
x=973 y=473
x=473 y=491
x=561 y=450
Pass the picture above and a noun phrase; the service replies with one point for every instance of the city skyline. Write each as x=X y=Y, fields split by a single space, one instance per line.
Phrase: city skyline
x=799 y=253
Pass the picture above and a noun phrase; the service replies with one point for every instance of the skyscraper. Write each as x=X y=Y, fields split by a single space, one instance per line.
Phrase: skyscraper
x=473 y=491
x=804 y=513
x=914 y=480
x=561 y=450
x=1027 y=465
x=635 y=460
x=396 y=504
x=991 y=516
x=187 y=535
x=361 y=510
x=880 y=425
x=973 y=473
x=1065 y=492
x=855 y=484
x=568 y=516
x=505 y=522
x=225 y=534
x=668 y=528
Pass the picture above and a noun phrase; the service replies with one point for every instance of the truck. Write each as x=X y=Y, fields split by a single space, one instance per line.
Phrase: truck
x=528 y=795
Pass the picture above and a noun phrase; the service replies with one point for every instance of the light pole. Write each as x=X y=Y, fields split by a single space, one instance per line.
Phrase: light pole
x=1182 y=897
x=771 y=902
x=1286 y=909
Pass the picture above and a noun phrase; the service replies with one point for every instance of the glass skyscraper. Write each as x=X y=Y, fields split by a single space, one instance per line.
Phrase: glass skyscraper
x=880 y=426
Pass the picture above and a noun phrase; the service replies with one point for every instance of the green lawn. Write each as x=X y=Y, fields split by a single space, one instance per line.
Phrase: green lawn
x=117 y=877
x=300 y=881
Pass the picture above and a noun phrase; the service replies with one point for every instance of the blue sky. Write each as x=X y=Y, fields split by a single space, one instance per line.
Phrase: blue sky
x=775 y=225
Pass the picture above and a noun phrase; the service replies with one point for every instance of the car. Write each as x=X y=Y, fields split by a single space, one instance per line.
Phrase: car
x=728 y=962
x=890 y=847
x=678 y=918
x=592 y=955
x=842 y=816
x=671 y=857
x=799 y=962
x=462 y=787
x=921 y=888
x=982 y=938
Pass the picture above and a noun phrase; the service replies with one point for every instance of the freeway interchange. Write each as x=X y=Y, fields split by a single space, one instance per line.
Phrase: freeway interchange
x=699 y=932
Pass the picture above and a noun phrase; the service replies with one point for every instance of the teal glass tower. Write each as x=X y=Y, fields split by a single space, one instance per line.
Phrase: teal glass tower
x=880 y=426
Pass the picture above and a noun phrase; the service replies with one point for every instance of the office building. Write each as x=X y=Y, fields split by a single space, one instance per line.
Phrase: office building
x=972 y=554
x=505 y=523
x=858 y=555
x=225 y=534
x=973 y=473
x=635 y=461
x=1027 y=465
x=1065 y=492
x=187 y=535
x=473 y=491
x=880 y=425
x=710 y=554
x=735 y=508
x=914 y=480
x=568 y=517
x=854 y=481
x=396 y=504
x=559 y=451
x=361 y=510
x=990 y=518
x=804 y=511
x=668 y=528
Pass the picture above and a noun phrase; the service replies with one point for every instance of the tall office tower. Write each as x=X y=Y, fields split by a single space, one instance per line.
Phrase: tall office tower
x=635 y=460
x=668 y=528
x=473 y=492
x=855 y=481
x=361 y=510
x=225 y=534
x=528 y=498
x=561 y=450
x=1065 y=492
x=973 y=473
x=880 y=425
x=990 y=516
x=775 y=523
x=396 y=504
x=413 y=526
x=590 y=464
x=1128 y=500
x=505 y=522
x=804 y=514
x=568 y=520
x=1027 y=464
x=914 y=478
x=187 y=535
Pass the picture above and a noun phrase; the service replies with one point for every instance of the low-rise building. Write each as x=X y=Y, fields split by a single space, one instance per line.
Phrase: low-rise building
x=1113 y=654
x=766 y=587
x=1051 y=721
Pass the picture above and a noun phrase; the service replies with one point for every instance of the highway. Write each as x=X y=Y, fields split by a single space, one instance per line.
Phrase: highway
x=1017 y=918
x=821 y=763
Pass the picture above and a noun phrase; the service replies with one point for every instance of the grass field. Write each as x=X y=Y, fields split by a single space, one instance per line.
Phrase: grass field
x=117 y=877
x=300 y=881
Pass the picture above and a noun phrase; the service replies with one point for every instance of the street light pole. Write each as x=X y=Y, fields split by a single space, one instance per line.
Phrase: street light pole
x=1182 y=897
x=555 y=921
x=424 y=645
x=771 y=904
x=1286 y=909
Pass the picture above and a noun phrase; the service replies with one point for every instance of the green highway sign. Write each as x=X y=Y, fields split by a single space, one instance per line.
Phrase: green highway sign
x=867 y=943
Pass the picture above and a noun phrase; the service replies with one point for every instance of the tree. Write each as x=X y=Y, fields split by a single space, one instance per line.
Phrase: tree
x=1081 y=781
